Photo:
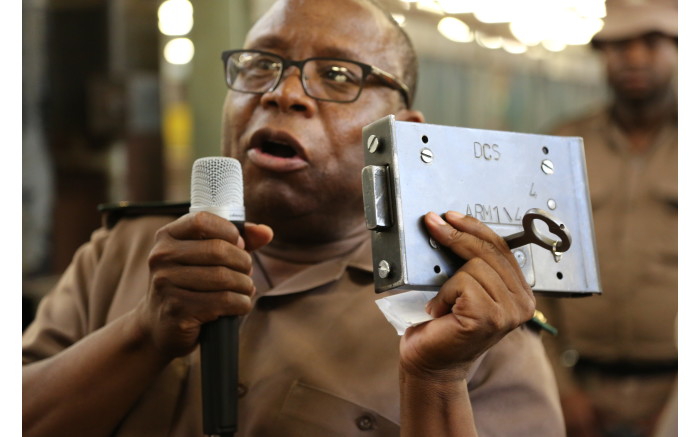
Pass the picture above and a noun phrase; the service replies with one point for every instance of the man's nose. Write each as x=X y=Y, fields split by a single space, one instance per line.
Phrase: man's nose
x=289 y=94
x=637 y=52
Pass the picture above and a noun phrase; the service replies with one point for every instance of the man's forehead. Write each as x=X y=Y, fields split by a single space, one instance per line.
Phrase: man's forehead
x=347 y=28
x=325 y=10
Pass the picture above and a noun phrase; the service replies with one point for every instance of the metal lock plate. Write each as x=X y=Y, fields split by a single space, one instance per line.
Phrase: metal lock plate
x=414 y=168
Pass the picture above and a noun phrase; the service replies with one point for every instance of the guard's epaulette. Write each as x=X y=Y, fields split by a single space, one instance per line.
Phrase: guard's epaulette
x=539 y=322
x=113 y=212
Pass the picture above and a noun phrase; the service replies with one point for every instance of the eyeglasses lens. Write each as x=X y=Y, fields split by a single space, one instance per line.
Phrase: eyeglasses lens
x=323 y=79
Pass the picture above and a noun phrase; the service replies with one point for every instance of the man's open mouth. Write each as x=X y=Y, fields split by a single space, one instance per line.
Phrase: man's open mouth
x=276 y=151
x=281 y=150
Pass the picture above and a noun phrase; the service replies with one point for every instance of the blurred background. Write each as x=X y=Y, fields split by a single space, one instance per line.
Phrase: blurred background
x=119 y=97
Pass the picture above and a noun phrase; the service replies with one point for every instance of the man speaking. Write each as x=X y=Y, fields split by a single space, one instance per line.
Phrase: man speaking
x=114 y=348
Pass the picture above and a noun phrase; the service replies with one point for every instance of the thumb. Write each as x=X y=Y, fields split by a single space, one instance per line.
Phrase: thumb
x=257 y=236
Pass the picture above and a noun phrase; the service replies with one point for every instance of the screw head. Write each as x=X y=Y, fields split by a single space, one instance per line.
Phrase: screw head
x=372 y=143
x=552 y=204
x=384 y=269
x=426 y=155
x=547 y=166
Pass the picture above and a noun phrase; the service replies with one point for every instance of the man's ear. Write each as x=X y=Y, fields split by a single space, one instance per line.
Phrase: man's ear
x=410 y=115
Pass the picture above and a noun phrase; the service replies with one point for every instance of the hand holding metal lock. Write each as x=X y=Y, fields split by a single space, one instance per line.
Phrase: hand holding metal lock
x=532 y=235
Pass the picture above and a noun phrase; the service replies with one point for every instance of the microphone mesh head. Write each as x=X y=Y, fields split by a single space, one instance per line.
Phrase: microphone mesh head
x=217 y=187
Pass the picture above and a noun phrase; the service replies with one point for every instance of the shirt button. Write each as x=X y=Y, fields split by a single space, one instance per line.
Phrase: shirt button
x=366 y=422
x=242 y=390
x=569 y=357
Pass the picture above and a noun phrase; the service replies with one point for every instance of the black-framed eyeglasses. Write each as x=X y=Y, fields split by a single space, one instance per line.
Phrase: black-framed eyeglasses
x=327 y=79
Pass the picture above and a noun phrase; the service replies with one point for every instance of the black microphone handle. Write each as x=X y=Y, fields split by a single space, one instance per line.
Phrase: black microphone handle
x=219 y=361
x=219 y=356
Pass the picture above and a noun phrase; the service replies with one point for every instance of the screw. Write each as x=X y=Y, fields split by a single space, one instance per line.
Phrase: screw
x=433 y=243
x=547 y=166
x=384 y=269
x=372 y=143
x=426 y=155
x=520 y=257
x=552 y=204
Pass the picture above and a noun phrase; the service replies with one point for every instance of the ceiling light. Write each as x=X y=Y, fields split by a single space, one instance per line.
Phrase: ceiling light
x=179 y=51
x=457 y=6
x=429 y=6
x=553 y=46
x=514 y=47
x=500 y=11
x=455 y=29
x=487 y=41
x=175 y=17
x=528 y=32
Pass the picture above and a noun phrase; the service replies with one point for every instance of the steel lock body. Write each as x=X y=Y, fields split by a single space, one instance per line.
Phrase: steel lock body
x=497 y=177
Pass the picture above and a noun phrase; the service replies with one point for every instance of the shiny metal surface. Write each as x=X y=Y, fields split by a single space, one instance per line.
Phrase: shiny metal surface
x=491 y=175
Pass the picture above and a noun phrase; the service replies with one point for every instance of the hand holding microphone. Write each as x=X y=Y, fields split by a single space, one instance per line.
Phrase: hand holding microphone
x=200 y=274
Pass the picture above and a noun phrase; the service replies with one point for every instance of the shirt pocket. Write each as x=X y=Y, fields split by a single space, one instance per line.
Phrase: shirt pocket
x=664 y=195
x=319 y=413
x=665 y=190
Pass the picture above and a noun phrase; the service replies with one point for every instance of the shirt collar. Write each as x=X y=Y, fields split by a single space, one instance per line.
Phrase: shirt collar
x=355 y=252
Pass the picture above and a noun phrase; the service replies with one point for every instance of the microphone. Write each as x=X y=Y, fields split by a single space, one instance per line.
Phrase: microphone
x=217 y=187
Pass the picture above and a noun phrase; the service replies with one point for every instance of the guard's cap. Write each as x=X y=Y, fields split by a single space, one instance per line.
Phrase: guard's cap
x=631 y=18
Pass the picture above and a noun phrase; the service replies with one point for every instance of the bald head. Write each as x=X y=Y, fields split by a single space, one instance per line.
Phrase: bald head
x=402 y=42
x=394 y=40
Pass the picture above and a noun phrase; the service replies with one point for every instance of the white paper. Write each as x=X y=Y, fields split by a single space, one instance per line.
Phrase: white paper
x=406 y=309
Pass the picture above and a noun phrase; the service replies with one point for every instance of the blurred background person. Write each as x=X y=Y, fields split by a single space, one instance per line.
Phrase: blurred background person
x=615 y=355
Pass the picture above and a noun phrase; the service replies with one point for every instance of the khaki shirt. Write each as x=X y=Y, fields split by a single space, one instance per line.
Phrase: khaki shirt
x=634 y=199
x=317 y=357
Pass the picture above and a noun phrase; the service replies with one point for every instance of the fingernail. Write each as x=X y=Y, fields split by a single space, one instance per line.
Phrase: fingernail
x=455 y=215
x=429 y=307
x=436 y=218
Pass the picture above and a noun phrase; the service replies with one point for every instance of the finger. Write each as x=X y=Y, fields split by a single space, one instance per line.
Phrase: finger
x=461 y=234
x=257 y=235
x=455 y=338
x=213 y=252
x=468 y=246
x=480 y=230
x=203 y=279
x=201 y=308
x=203 y=226
x=489 y=280
x=460 y=284
x=474 y=282
x=510 y=308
